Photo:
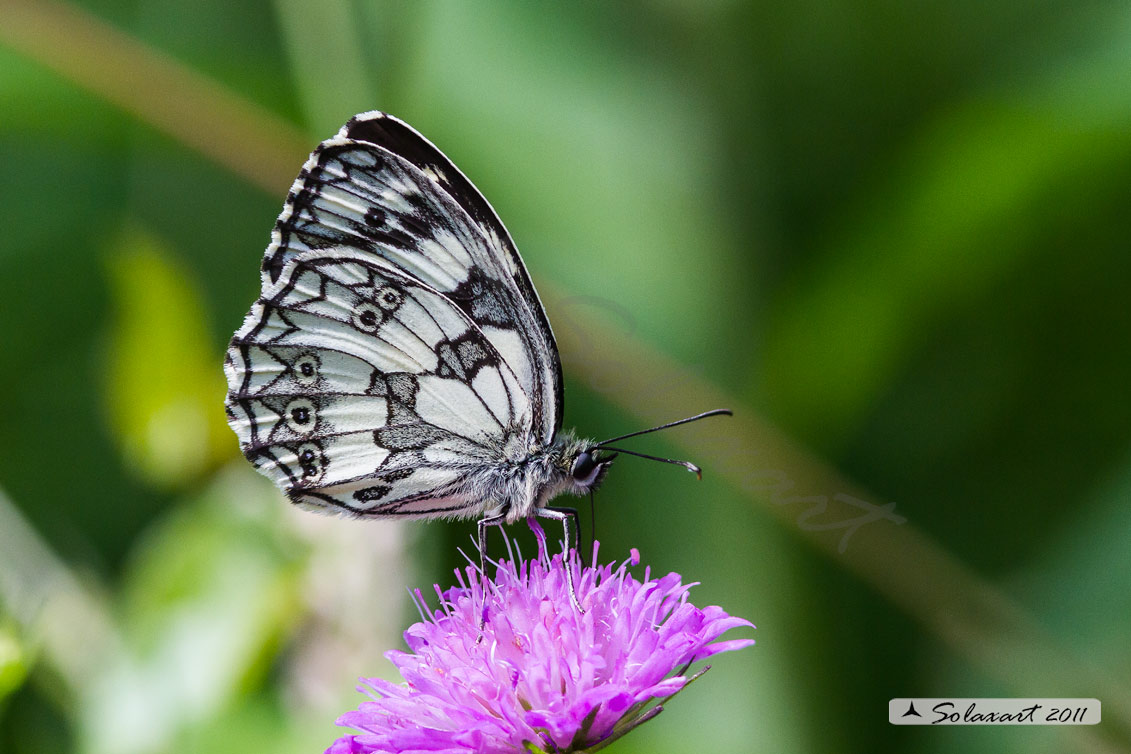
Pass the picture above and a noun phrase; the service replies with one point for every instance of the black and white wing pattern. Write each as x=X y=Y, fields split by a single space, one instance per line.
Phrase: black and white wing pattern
x=398 y=344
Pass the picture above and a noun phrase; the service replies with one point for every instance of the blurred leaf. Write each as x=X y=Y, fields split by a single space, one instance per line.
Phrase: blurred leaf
x=15 y=660
x=1081 y=586
x=164 y=386
x=210 y=594
x=45 y=599
x=187 y=558
x=968 y=205
x=254 y=724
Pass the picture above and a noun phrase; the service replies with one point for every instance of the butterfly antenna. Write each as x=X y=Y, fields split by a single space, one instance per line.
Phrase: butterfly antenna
x=604 y=444
x=697 y=417
x=685 y=464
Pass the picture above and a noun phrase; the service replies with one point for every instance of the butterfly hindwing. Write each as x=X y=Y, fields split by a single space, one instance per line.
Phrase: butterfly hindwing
x=355 y=386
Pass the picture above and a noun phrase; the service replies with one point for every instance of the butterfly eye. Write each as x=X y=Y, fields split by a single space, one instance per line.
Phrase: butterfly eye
x=367 y=317
x=583 y=467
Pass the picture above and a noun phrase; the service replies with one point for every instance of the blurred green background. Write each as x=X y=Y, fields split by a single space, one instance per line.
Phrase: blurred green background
x=897 y=232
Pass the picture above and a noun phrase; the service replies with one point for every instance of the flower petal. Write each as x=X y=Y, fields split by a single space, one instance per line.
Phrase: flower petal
x=508 y=665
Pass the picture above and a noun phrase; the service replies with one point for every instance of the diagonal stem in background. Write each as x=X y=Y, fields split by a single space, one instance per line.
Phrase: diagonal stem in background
x=967 y=613
x=202 y=114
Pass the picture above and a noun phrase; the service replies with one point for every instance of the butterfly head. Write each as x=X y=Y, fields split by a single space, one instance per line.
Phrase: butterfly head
x=588 y=469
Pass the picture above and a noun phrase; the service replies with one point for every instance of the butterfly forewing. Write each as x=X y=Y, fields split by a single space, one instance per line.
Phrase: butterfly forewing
x=381 y=188
x=402 y=139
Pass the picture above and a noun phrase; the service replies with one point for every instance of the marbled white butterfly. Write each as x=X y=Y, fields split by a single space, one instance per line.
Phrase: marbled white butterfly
x=398 y=361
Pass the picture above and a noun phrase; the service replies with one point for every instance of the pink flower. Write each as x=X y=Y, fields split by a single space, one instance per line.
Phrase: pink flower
x=508 y=665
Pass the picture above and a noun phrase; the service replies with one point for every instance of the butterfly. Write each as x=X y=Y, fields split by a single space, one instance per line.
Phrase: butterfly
x=398 y=361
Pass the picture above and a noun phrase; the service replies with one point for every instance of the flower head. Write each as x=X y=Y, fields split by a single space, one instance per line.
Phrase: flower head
x=508 y=665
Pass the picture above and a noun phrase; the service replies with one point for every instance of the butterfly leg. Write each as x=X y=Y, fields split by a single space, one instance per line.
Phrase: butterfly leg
x=565 y=515
x=498 y=520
